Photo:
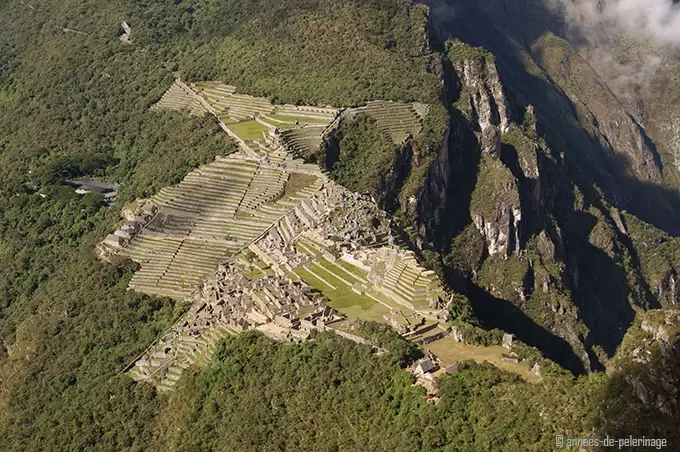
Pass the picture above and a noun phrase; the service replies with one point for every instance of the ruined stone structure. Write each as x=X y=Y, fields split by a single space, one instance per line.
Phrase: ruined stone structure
x=231 y=303
x=261 y=240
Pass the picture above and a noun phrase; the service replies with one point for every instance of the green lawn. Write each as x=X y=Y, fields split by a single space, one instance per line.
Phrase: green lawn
x=225 y=118
x=337 y=270
x=303 y=248
x=296 y=183
x=280 y=125
x=249 y=130
x=286 y=125
x=450 y=351
x=351 y=268
x=374 y=313
x=343 y=299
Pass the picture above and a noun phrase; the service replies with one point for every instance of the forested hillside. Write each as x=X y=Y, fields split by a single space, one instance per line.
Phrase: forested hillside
x=74 y=102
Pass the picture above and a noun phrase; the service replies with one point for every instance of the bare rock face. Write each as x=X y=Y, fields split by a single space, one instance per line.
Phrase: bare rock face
x=661 y=327
x=495 y=207
x=672 y=129
x=501 y=232
x=486 y=103
x=529 y=149
x=667 y=289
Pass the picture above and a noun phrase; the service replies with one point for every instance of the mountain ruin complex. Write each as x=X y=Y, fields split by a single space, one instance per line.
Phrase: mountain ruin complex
x=262 y=240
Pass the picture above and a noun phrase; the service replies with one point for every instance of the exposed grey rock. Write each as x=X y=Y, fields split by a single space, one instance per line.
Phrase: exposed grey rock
x=507 y=341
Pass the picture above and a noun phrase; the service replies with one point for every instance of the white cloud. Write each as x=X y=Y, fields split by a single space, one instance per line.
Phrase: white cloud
x=658 y=20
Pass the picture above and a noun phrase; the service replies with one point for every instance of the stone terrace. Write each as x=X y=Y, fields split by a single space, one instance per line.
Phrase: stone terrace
x=231 y=303
x=397 y=120
x=178 y=98
x=262 y=240
x=215 y=211
x=262 y=125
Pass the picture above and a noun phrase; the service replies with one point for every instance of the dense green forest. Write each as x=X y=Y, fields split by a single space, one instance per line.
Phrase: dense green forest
x=353 y=167
x=74 y=101
x=331 y=394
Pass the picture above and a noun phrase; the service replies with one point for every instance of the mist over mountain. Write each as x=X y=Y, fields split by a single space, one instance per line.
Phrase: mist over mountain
x=656 y=20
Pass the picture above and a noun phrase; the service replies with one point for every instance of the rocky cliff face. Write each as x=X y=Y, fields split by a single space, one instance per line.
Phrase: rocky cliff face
x=483 y=98
x=534 y=194
x=496 y=210
x=495 y=204
x=542 y=159
x=614 y=125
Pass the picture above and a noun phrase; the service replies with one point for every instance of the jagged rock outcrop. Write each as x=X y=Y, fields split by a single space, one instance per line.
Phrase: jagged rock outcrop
x=501 y=231
x=495 y=206
x=482 y=97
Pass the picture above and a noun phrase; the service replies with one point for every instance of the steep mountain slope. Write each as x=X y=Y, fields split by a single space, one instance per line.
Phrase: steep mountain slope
x=538 y=187
x=579 y=113
x=529 y=197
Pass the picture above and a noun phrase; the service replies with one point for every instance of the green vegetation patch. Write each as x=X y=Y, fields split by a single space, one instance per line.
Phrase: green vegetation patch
x=249 y=130
x=496 y=189
x=458 y=50
x=505 y=278
x=296 y=183
x=333 y=394
x=365 y=155
x=326 y=52
x=342 y=297
x=467 y=250
x=450 y=352
x=659 y=253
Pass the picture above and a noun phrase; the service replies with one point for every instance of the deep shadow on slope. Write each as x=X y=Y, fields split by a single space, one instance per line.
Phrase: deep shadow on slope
x=507 y=29
x=464 y=157
x=599 y=284
x=499 y=313
x=596 y=282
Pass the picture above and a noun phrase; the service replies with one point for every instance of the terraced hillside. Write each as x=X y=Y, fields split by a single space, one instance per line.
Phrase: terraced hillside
x=263 y=126
x=397 y=120
x=217 y=210
x=331 y=249
x=334 y=249
x=262 y=240
x=178 y=97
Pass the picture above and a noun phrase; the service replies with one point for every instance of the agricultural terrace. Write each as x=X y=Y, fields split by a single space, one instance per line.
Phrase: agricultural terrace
x=270 y=241
x=396 y=120
x=263 y=127
x=217 y=210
